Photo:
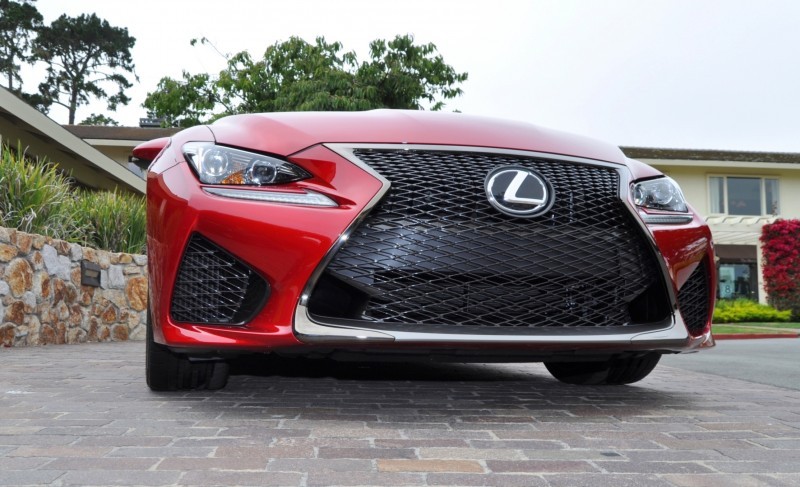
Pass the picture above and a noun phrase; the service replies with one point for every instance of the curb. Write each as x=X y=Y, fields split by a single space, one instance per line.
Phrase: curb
x=753 y=336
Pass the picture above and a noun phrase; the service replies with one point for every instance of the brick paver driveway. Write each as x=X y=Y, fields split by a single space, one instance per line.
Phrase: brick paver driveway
x=81 y=415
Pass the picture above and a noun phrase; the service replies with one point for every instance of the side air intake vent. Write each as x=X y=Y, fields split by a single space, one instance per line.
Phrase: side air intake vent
x=214 y=287
x=693 y=300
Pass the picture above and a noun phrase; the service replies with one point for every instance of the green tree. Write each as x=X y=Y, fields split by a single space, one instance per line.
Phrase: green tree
x=18 y=22
x=84 y=54
x=297 y=75
x=405 y=74
x=99 y=119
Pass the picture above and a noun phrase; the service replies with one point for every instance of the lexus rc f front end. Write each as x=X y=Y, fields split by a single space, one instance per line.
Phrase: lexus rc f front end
x=405 y=234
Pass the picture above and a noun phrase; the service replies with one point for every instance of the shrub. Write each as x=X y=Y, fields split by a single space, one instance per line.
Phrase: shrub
x=113 y=221
x=744 y=310
x=781 y=251
x=36 y=198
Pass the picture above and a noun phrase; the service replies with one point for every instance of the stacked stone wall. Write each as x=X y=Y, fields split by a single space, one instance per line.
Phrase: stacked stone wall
x=42 y=300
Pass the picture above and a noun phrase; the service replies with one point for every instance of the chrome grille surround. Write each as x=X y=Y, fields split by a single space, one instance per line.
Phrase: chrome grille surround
x=668 y=332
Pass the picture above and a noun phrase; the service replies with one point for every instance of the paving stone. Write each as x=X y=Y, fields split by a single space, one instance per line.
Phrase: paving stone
x=328 y=452
x=674 y=455
x=654 y=467
x=573 y=455
x=60 y=451
x=336 y=442
x=540 y=466
x=204 y=463
x=608 y=480
x=120 y=441
x=320 y=465
x=242 y=479
x=15 y=463
x=518 y=444
x=462 y=434
x=715 y=480
x=264 y=453
x=493 y=480
x=33 y=439
x=20 y=478
x=471 y=453
x=108 y=478
x=422 y=443
x=257 y=432
x=780 y=480
x=761 y=455
x=363 y=479
x=774 y=466
x=160 y=452
x=465 y=466
x=105 y=464
x=779 y=444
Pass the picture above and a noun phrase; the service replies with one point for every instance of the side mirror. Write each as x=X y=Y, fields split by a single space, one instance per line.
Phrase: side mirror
x=146 y=152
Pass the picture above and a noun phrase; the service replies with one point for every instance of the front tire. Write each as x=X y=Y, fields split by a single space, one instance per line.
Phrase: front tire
x=616 y=371
x=168 y=371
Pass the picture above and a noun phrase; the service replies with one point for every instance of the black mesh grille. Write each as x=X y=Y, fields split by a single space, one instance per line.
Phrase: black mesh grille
x=434 y=252
x=693 y=299
x=214 y=287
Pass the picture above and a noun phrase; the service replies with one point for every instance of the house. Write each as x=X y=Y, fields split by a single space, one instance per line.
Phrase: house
x=737 y=193
x=42 y=137
x=118 y=142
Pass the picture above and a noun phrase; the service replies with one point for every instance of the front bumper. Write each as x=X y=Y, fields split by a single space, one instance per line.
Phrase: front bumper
x=290 y=246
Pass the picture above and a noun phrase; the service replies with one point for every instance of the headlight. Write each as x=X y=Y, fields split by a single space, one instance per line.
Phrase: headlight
x=216 y=164
x=659 y=194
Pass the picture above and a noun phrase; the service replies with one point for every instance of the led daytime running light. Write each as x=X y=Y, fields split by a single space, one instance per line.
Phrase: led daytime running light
x=307 y=198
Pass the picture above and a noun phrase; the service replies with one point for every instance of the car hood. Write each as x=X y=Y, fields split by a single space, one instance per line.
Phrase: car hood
x=289 y=132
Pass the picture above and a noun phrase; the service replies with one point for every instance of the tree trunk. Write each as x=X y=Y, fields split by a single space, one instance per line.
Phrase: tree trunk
x=73 y=106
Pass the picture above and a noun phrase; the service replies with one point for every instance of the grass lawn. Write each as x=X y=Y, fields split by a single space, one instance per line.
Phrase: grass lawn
x=743 y=328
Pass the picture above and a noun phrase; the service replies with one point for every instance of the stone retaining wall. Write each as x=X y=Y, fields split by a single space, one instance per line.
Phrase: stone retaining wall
x=43 y=302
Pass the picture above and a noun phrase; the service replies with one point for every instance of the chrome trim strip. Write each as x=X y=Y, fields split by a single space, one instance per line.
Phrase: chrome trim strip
x=674 y=335
x=347 y=153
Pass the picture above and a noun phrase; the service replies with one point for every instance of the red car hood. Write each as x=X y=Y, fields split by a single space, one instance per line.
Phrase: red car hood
x=289 y=132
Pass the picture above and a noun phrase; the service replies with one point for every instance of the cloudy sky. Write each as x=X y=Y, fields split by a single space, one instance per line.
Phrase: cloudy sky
x=700 y=74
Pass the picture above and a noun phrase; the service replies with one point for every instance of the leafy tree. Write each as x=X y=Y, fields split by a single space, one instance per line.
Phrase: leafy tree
x=37 y=101
x=99 y=119
x=405 y=74
x=297 y=75
x=781 y=252
x=84 y=54
x=18 y=21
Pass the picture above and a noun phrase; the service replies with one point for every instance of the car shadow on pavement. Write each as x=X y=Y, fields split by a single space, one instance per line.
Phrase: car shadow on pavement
x=317 y=382
x=419 y=370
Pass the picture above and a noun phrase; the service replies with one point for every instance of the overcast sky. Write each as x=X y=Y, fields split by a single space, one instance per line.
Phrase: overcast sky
x=671 y=73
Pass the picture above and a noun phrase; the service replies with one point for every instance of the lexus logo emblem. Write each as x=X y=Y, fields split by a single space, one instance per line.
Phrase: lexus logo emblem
x=518 y=191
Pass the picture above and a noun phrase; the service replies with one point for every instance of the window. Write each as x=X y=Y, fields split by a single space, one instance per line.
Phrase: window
x=743 y=195
x=737 y=281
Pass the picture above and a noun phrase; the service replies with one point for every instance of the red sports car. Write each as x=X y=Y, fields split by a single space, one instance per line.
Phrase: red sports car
x=411 y=234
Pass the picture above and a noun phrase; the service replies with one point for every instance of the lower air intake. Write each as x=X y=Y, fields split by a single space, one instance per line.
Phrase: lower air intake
x=693 y=300
x=214 y=287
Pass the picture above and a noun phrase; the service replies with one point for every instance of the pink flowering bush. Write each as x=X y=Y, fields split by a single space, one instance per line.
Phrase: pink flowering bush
x=781 y=251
